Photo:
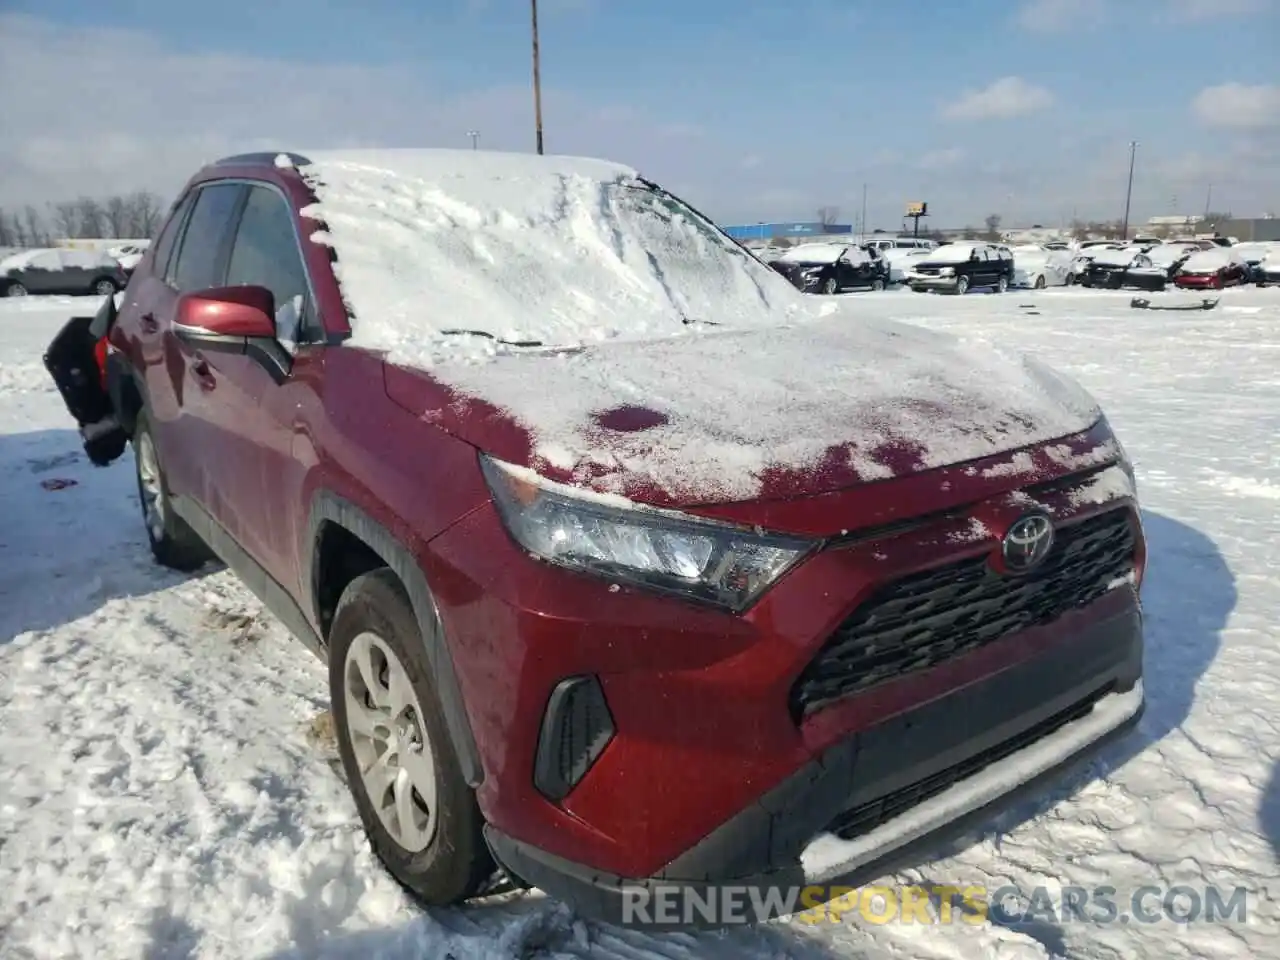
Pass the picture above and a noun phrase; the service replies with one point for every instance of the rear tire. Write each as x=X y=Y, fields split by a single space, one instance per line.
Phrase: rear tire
x=1040 y=282
x=877 y=284
x=439 y=856
x=105 y=287
x=1002 y=285
x=173 y=543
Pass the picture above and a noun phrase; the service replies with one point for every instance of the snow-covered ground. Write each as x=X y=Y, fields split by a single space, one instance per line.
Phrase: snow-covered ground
x=168 y=788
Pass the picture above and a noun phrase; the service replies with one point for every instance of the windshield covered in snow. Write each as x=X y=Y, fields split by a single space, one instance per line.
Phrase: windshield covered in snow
x=439 y=251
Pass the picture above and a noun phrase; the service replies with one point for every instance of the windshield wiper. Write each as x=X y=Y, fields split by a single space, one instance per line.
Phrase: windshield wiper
x=489 y=336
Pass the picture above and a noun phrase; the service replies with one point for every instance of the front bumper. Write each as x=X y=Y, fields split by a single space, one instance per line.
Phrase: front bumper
x=894 y=792
x=1196 y=282
x=926 y=282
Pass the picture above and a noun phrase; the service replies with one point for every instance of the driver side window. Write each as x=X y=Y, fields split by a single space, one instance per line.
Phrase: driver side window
x=266 y=254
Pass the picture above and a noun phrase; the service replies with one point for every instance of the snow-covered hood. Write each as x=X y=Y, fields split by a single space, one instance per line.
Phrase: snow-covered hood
x=723 y=417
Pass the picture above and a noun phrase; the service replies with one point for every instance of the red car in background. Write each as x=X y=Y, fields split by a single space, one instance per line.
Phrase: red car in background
x=1212 y=269
x=814 y=576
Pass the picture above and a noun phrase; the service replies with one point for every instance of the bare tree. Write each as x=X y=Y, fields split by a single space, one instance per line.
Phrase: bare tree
x=34 y=232
x=115 y=214
x=66 y=218
x=993 y=226
x=827 y=215
x=92 y=221
x=8 y=236
x=970 y=233
x=144 y=214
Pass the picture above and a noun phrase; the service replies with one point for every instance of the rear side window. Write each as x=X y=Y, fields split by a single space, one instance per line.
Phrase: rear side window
x=164 y=245
x=198 y=266
x=266 y=254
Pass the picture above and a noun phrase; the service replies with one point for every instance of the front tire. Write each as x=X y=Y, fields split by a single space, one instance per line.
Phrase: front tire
x=105 y=287
x=831 y=286
x=877 y=285
x=1041 y=282
x=173 y=543
x=15 y=290
x=420 y=815
x=962 y=286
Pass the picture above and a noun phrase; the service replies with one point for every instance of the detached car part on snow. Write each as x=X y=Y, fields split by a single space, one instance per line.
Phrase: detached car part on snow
x=610 y=695
x=77 y=361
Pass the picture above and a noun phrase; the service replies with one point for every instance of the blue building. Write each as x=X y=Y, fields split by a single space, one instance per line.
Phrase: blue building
x=787 y=228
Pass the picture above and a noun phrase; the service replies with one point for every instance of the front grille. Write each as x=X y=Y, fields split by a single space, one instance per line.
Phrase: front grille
x=927 y=618
x=867 y=816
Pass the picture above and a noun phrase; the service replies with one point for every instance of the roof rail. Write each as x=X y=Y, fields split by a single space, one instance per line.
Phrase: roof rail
x=265 y=158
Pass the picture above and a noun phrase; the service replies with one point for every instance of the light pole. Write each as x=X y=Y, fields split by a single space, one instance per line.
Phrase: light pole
x=1128 y=194
x=475 y=138
x=537 y=77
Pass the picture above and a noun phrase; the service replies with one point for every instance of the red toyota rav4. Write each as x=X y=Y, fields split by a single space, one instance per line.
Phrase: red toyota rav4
x=634 y=567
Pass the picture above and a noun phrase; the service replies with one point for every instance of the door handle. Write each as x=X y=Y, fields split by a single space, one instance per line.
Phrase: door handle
x=149 y=323
x=203 y=373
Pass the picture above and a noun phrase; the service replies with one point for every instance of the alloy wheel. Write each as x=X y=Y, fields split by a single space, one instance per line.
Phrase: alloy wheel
x=150 y=486
x=389 y=740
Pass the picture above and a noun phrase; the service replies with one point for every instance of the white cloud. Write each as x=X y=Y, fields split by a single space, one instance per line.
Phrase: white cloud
x=1238 y=105
x=180 y=110
x=1005 y=98
x=1057 y=16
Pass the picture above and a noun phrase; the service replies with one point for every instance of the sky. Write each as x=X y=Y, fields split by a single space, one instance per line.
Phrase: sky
x=751 y=110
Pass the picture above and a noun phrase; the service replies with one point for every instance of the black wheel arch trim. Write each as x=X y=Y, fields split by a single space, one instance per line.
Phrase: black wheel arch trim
x=330 y=507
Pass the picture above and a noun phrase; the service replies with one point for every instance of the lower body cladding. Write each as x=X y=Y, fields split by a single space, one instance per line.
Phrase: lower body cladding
x=880 y=800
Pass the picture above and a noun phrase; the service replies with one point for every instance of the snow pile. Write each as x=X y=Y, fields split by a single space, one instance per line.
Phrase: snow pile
x=824 y=253
x=557 y=250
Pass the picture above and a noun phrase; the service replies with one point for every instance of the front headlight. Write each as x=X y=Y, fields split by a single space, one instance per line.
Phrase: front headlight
x=947 y=272
x=660 y=549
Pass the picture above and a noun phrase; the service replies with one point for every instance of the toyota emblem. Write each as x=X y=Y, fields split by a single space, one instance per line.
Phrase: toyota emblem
x=1027 y=542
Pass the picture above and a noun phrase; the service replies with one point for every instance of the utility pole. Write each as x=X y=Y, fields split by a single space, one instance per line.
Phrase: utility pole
x=1128 y=195
x=864 y=211
x=475 y=137
x=1208 y=201
x=537 y=77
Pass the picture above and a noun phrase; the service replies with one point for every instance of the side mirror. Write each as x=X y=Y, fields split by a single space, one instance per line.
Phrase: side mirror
x=236 y=320
x=226 y=313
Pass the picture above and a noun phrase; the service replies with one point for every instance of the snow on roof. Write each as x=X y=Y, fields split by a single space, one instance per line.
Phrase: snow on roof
x=522 y=247
x=953 y=252
x=1116 y=258
x=824 y=253
x=1208 y=261
x=1164 y=254
x=21 y=259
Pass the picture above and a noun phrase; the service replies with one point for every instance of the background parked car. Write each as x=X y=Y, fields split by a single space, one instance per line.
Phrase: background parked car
x=1253 y=254
x=1038 y=267
x=959 y=267
x=831 y=268
x=129 y=255
x=61 y=271
x=1267 y=272
x=1126 y=267
x=901 y=260
x=1214 y=269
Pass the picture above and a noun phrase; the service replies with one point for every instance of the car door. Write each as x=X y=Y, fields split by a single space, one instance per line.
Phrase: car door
x=175 y=386
x=41 y=273
x=260 y=399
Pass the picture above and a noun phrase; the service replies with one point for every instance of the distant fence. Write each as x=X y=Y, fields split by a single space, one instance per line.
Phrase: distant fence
x=789 y=229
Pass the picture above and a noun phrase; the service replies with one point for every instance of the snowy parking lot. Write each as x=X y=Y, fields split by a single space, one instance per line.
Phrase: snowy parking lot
x=169 y=789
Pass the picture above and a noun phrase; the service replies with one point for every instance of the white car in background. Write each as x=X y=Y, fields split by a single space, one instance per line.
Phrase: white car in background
x=129 y=255
x=1038 y=267
x=900 y=260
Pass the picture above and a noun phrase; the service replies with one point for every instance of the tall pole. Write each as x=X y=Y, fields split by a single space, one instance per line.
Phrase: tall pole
x=1208 y=200
x=1128 y=195
x=475 y=137
x=864 y=211
x=537 y=77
